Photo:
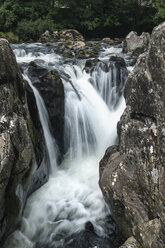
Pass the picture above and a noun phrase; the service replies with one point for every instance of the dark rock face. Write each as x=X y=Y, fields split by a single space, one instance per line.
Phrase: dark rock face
x=132 y=174
x=51 y=88
x=18 y=170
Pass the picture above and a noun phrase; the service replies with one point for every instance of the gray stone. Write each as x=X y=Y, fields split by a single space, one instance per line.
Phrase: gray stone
x=108 y=40
x=74 y=44
x=132 y=174
x=46 y=37
x=131 y=243
x=71 y=35
x=17 y=142
x=136 y=44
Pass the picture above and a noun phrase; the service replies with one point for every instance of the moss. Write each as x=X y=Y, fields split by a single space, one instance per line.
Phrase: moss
x=32 y=63
x=31 y=131
x=48 y=45
x=138 y=51
x=67 y=55
x=120 y=60
x=69 y=43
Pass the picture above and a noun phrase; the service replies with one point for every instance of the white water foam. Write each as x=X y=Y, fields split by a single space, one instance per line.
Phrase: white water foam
x=51 y=146
x=72 y=196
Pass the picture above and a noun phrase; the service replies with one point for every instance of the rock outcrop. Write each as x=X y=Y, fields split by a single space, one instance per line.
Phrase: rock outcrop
x=62 y=36
x=47 y=37
x=108 y=40
x=131 y=243
x=136 y=44
x=19 y=172
x=132 y=174
x=70 y=34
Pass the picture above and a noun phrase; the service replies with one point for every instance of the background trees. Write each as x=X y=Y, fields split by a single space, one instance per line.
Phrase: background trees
x=94 y=18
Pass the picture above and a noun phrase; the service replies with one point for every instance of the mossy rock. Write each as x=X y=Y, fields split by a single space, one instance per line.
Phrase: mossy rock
x=67 y=54
x=32 y=63
x=48 y=45
x=138 y=51
x=119 y=60
x=86 y=53
x=31 y=131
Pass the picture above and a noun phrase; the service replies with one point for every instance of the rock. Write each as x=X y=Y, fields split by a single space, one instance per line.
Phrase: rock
x=74 y=44
x=51 y=88
x=68 y=35
x=71 y=35
x=132 y=174
x=32 y=63
x=131 y=243
x=18 y=169
x=46 y=37
x=108 y=40
x=56 y=36
x=119 y=60
x=87 y=238
x=90 y=65
x=136 y=44
x=86 y=53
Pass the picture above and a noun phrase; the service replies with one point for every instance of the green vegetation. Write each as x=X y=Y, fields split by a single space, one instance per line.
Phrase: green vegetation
x=159 y=5
x=9 y=36
x=28 y=19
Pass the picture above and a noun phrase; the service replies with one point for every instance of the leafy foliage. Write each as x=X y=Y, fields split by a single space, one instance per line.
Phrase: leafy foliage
x=29 y=18
x=160 y=7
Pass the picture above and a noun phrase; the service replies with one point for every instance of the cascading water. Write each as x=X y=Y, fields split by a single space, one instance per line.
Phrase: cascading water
x=52 y=149
x=109 y=80
x=72 y=197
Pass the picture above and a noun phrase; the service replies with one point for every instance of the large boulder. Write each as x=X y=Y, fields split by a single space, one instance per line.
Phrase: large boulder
x=70 y=34
x=46 y=37
x=136 y=44
x=132 y=173
x=19 y=172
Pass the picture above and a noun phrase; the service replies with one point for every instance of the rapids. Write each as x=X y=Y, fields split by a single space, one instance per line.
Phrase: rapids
x=72 y=197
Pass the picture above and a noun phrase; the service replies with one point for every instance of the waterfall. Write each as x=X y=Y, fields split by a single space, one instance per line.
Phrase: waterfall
x=71 y=198
x=51 y=146
x=86 y=115
x=109 y=80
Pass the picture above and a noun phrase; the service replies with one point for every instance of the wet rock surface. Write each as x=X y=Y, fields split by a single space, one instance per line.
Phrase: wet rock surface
x=51 y=88
x=79 y=49
x=18 y=143
x=132 y=174
x=89 y=238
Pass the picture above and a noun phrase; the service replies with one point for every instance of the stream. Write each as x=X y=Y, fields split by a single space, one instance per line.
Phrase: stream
x=69 y=210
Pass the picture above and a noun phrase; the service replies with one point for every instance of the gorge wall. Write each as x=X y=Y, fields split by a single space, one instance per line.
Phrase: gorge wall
x=21 y=145
x=132 y=173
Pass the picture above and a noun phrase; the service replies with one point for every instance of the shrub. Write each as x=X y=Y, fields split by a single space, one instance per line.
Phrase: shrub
x=10 y=37
x=31 y=30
